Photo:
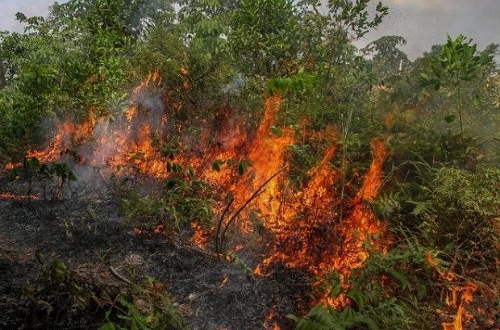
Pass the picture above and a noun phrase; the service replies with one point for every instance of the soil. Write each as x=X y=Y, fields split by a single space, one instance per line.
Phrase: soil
x=86 y=230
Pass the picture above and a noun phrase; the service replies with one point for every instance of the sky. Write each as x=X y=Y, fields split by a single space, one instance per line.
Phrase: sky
x=422 y=23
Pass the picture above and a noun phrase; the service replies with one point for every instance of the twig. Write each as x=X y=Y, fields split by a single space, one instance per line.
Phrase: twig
x=6 y=250
x=118 y=276
x=254 y=195
x=219 y=225
x=193 y=296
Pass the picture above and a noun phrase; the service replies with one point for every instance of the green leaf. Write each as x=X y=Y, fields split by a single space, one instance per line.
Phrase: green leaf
x=450 y=119
x=107 y=326
x=59 y=271
x=419 y=208
x=217 y=164
x=403 y=281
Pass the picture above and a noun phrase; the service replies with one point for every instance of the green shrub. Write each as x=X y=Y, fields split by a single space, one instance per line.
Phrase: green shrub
x=391 y=291
x=184 y=199
x=462 y=219
x=145 y=306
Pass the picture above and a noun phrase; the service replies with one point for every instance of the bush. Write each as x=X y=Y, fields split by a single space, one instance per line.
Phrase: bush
x=462 y=218
x=391 y=291
x=184 y=199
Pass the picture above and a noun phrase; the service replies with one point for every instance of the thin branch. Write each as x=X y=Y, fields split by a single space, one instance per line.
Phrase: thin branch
x=118 y=276
x=219 y=225
x=249 y=200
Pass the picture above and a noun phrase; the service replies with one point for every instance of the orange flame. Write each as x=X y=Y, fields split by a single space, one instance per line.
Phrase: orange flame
x=465 y=292
x=314 y=239
x=10 y=166
x=59 y=143
x=266 y=154
x=268 y=323
x=372 y=180
x=11 y=196
x=307 y=226
x=200 y=236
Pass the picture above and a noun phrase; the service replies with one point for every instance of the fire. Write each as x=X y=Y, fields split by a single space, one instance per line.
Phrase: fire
x=11 y=196
x=372 y=180
x=265 y=152
x=317 y=229
x=10 y=166
x=200 y=236
x=268 y=323
x=465 y=292
x=312 y=236
x=59 y=143
x=113 y=144
x=130 y=145
x=267 y=156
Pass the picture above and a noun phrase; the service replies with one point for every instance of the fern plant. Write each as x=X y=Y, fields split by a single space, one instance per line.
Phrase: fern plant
x=388 y=292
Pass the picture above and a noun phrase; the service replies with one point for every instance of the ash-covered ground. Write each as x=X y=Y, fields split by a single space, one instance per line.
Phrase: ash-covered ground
x=87 y=231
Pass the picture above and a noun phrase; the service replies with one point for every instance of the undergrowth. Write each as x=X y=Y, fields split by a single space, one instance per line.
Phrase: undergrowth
x=62 y=293
x=395 y=290
x=184 y=199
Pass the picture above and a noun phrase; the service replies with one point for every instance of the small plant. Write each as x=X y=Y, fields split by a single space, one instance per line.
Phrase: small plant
x=460 y=219
x=240 y=166
x=33 y=170
x=233 y=258
x=184 y=199
x=144 y=307
x=62 y=173
x=31 y=167
x=62 y=292
x=458 y=63
x=147 y=207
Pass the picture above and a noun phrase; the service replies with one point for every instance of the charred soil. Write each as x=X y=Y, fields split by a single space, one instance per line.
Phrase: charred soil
x=87 y=231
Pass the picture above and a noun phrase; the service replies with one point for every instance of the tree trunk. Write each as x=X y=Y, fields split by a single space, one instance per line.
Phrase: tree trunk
x=2 y=71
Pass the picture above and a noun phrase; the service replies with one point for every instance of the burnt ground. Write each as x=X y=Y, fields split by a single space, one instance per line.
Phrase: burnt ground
x=87 y=231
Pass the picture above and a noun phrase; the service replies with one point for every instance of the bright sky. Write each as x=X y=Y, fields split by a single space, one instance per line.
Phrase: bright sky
x=9 y=8
x=422 y=23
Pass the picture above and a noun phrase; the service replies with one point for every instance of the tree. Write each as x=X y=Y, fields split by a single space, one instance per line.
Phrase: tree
x=2 y=70
x=264 y=36
x=327 y=50
x=387 y=59
x=457 y=63
x=121 y=18
x=76 y=59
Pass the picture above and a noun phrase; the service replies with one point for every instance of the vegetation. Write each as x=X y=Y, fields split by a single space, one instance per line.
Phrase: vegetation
x=62 y=292
x=439 y=115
